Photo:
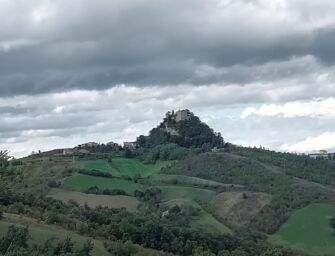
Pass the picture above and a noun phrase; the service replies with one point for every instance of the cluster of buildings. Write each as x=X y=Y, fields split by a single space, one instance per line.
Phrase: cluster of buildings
x=86 y=148
x=322 y=155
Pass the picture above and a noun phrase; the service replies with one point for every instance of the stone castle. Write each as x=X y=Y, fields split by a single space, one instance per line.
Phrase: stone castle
x=179 y=115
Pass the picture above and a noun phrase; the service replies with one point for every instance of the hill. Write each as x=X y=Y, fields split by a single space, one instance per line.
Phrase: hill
x=184 y=129
x=180 y=191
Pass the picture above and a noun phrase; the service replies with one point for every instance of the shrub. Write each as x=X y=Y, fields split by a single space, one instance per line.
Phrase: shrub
x=54 y=184
x=96 y=173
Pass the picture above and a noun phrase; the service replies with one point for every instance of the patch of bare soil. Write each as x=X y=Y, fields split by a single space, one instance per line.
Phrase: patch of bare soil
x=239 y=208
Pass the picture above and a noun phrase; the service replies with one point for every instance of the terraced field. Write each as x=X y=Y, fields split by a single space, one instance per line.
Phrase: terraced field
x=111 y=201
x=308 y=230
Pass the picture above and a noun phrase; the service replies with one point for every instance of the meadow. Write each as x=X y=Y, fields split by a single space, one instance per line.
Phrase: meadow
x=81 y=182
x=308 y=230
x=124 y=166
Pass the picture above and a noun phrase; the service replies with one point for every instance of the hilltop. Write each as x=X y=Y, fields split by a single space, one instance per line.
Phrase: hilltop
x=184 y=129
x=181 y=190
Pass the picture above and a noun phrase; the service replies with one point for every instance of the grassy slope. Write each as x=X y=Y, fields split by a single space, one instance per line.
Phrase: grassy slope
x=131 y=167
x=35 y=173
x=174 y=192
x=185 y=180
x=101 y=165
x=80 y=182
x=308 y=229
x=112 y=201
x=124 y=166
x=205 y=221
x=42 y=232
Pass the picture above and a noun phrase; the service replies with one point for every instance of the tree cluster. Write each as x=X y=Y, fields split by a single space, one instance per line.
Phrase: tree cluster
x=15 y=243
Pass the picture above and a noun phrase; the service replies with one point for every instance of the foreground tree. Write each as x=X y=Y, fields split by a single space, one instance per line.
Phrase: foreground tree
x=4 y=157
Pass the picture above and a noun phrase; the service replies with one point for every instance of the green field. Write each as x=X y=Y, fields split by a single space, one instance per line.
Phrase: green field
x=80 y=182
x=124 y=166
x=41 y=232
x=101 y=165
x=205 y=221
x=174 y=192
x=308 y=230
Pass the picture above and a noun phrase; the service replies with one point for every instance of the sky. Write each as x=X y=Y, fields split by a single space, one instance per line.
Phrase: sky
x=261 y=72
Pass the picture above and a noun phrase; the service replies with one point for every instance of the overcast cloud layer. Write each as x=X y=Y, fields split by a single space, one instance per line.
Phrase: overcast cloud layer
x=259 y=71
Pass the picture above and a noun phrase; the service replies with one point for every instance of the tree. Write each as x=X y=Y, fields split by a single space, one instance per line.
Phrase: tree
x=86 y=249
x=332 y=222
x=128 y=153
x=4 y=157
x=16 y=237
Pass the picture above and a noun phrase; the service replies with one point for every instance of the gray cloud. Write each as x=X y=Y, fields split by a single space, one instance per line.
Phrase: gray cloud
x=122 y=113
x=77 y=71
x=61 y=45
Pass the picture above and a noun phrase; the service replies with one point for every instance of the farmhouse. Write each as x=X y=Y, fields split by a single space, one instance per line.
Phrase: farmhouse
x=130 y=145
x=68 y=152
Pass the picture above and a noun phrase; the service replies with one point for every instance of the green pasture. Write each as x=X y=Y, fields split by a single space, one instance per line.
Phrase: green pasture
x=308 y=230
x=81 y=182
x=124 y=166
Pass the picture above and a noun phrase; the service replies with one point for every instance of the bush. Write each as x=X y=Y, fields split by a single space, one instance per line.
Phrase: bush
x=152 y=195
x=96 y=173
x=98 y=191
x=54 y=184
x=332 y=222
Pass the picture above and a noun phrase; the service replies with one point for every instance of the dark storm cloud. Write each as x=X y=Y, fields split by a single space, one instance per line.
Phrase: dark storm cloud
x=62 y=45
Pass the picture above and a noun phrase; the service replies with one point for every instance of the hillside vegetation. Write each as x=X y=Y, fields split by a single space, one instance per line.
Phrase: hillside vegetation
x=287 y=193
